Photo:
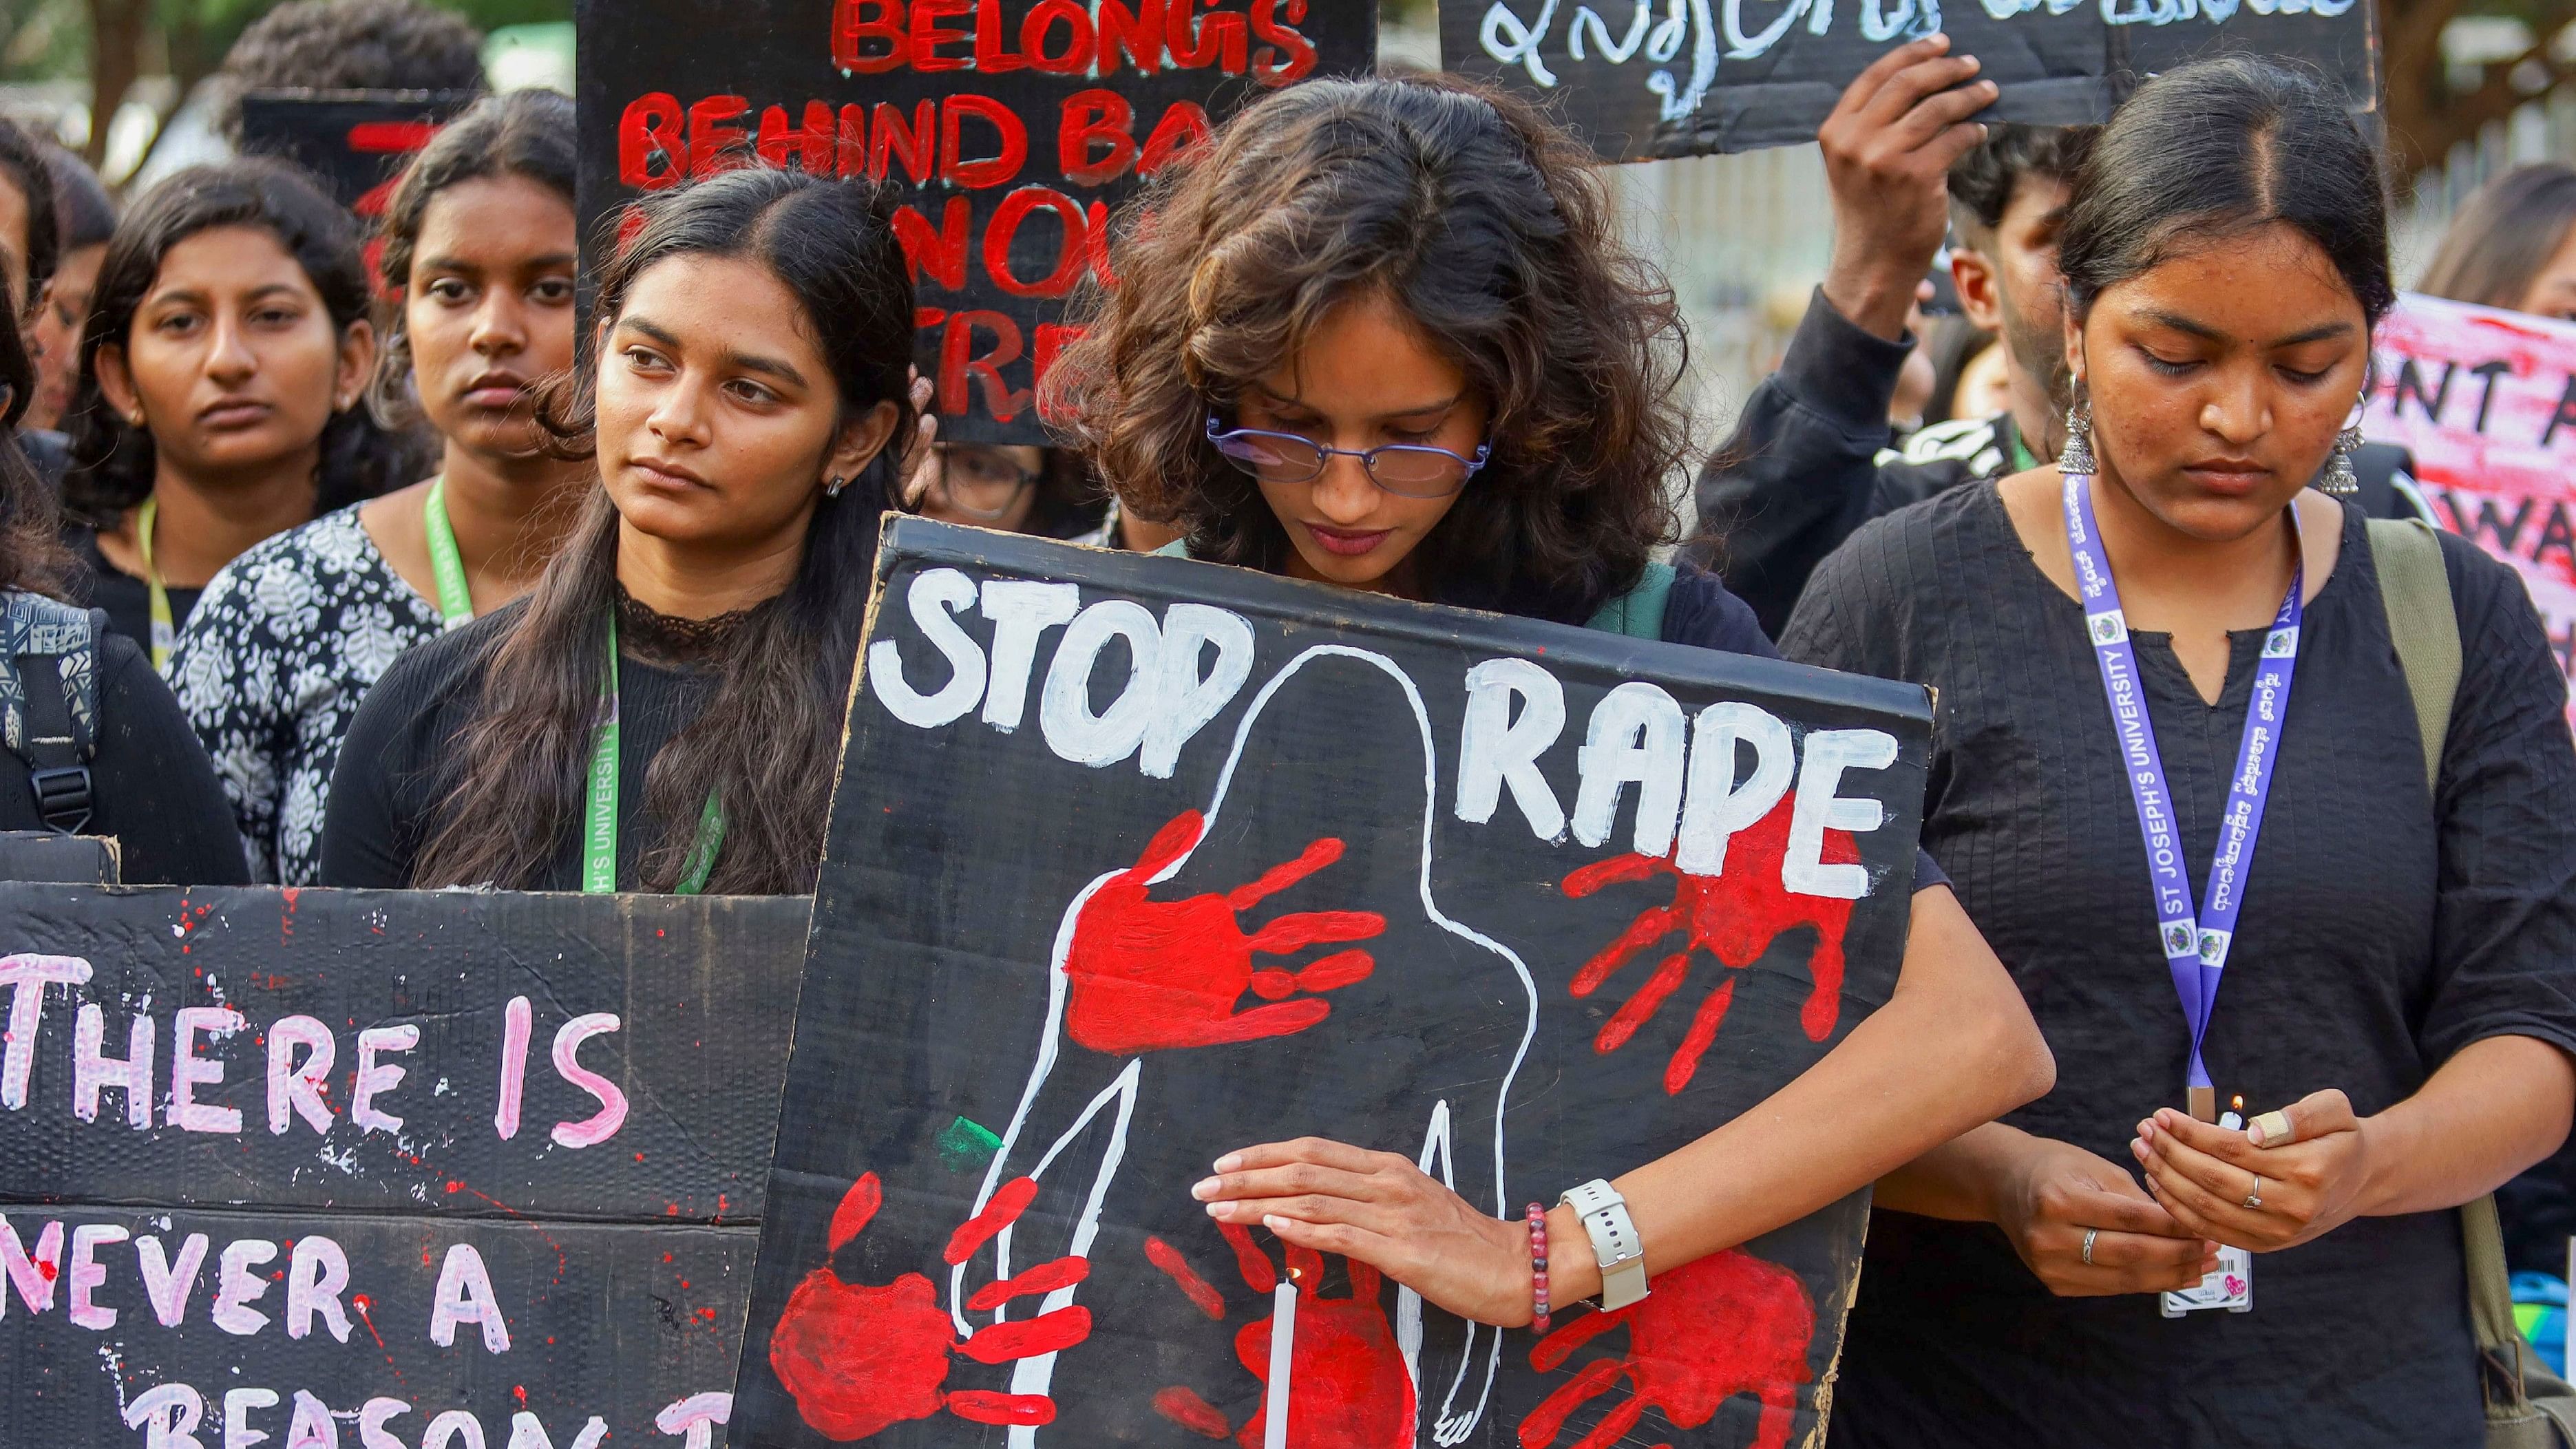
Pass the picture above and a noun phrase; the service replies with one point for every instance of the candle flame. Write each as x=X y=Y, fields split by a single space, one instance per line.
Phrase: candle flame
x=2237 y=1102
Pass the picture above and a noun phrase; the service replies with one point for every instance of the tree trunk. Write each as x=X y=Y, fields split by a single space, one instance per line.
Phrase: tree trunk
x=117 y=31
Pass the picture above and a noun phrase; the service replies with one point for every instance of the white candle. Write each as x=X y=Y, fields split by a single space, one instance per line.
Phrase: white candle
x=1283 y=1338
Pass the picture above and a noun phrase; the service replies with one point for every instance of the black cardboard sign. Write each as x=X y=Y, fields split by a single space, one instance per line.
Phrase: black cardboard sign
x=1015 y=128
x=357 y=142
x=444 y=1169
x=44 y=855
x=1688 y=77
x=1135 y=861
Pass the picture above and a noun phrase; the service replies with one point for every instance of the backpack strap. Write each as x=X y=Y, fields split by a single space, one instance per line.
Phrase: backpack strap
x=1639 y=613
x=49 y=703
x=2416 y=592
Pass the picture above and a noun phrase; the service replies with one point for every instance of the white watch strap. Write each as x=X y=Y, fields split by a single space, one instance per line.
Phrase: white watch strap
x=1615 y=1244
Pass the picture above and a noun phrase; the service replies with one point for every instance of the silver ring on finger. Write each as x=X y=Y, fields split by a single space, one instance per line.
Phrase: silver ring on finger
x=2254 y=1199
x=2089 y=1235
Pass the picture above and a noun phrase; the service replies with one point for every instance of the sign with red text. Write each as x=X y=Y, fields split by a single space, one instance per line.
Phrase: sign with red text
x=1014 y=127
x=2486 y=401
x=358 y=1170
x=356 y=142
x=1137 y=861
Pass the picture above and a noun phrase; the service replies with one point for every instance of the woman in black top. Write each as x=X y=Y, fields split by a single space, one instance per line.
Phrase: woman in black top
x=150 y=786
x=755 y=338
x=2398 y=986
x=1427 y=272
x=222 y=370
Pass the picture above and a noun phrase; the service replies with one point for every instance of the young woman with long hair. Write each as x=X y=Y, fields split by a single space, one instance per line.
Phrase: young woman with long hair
x=2178 y=742
x=2512 y=244
x=695 y=634
x=480 y=244
x=1424 y=277
x=222 y=371
x=130 y=768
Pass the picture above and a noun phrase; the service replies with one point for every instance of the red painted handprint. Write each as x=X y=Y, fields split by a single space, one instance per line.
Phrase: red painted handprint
x=857 y=1359
x=1735 y=916
x=1150 y=975
x=1347 y=1384
x=1727 y=1324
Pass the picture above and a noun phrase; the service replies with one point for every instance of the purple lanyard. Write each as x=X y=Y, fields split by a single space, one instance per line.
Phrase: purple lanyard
x=2194 y=944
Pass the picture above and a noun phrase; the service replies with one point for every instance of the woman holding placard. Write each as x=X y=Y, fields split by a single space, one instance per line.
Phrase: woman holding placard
x=1381 y=335
x=2132 y=800
x=663 y=712
x=481 y=237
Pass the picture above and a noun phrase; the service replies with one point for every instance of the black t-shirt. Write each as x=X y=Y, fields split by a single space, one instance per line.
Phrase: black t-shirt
x=126 y=600
x=150 y=783
x=2381 y=933
x=400 y=761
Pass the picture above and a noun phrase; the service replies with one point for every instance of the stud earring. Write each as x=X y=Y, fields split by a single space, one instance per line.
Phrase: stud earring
x=135 y=417
x=2076 y=457
x=833 y=488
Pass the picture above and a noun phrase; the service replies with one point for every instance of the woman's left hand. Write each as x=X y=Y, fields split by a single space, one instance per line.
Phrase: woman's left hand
x=1382 y=1210
x=2309 y=1185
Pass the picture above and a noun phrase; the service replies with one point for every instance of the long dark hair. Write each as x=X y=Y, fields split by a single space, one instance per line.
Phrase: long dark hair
x=2216 y=149
x=768 y=741
x=1488 y=227
x=22 y=165
x=112 y=461
x=32 y=556
x=524 y=133
x=2504 y=234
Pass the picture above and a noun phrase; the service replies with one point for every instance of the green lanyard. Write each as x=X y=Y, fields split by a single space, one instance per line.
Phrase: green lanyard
x=165 y=631
x=455 y=600
x=599 y=832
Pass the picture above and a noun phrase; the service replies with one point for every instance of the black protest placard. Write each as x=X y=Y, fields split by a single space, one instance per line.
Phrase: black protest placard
x=1135 y=861
x=356 y=142
x=369 y=1168
x=1014 y=127
x=1641 y=80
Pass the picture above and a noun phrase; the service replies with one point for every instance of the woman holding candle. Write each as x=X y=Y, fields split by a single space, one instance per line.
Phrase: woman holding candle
x=2134 y=801
x=481 y=239
x=1381 y=335
x=663 y=710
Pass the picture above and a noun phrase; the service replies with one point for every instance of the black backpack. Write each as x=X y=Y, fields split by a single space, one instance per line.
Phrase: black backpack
x=49 y=702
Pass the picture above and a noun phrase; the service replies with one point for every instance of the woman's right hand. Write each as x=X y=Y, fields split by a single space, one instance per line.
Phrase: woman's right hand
x=2058 y=1192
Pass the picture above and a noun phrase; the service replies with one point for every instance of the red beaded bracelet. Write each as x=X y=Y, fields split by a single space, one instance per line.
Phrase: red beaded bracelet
x=1538 y=1268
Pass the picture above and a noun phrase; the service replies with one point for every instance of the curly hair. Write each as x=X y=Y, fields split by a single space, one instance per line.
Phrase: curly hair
x=112 y=461
x=1488 y=227
x=526 y=133
x=348 y=45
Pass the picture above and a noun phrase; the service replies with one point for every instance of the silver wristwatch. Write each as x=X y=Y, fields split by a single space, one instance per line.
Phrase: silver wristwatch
x=1615 y=1244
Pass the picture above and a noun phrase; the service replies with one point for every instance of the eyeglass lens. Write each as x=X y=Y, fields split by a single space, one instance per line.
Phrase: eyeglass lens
x=1281 y=458
x=981 y=478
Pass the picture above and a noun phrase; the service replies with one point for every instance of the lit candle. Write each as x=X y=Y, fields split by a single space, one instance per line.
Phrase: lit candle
x=1283 y=1338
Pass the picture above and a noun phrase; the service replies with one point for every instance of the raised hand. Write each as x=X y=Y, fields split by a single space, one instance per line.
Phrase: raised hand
x=1148 y=975
x=1734 y=917
x=858 y=1359
x=1727 y=1324
x=1348 y=1388
x=1888 y=147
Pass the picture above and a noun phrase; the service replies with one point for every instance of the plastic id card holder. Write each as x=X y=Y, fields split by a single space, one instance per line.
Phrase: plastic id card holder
x=2230 y=1286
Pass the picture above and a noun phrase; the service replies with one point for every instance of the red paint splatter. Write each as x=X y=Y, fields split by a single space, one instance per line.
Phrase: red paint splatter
x=1150 y=975
x=859 y=1359
x=1002 y=1210
x=1351 y=1388
x=1044 y=1278
x=1727 y=1324
x=1192 y=1413
x=1735 y=917
x=522 y=1391
x=45 y=1269
x=1198 y=1290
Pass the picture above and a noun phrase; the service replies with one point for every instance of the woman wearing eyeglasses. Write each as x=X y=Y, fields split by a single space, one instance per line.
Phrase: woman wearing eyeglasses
x=1381 y=334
